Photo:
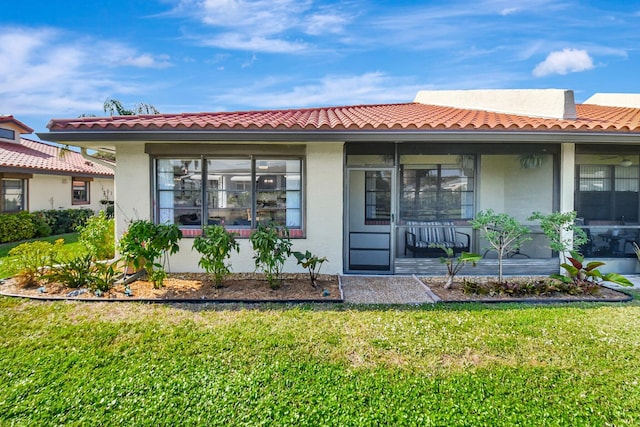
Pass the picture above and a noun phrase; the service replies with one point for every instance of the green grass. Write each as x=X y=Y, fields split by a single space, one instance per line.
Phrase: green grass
x=134 y=364
x=71 y=247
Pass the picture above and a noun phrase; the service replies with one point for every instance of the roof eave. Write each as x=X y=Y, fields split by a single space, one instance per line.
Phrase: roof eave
x=94 y=139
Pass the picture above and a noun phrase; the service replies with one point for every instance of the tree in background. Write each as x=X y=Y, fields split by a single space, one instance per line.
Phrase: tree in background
x=115 y=108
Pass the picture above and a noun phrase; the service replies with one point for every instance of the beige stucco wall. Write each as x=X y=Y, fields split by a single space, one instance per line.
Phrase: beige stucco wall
x=552 y=103
x=132 y=186
x=323 y=207
x=54 y=192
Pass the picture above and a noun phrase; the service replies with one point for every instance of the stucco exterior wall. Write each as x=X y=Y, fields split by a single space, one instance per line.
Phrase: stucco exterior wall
x=132 y=186
x=54 y=192
x=323 y=200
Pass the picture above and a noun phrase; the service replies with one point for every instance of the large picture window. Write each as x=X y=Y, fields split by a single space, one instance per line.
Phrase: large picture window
x=14 y=195
x=238 y=193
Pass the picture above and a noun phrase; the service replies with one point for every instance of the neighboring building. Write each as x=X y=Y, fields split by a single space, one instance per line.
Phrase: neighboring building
x=362 y=184
x=36 y=176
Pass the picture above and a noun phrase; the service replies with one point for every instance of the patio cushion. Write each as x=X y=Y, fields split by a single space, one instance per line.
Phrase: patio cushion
x=433 y=234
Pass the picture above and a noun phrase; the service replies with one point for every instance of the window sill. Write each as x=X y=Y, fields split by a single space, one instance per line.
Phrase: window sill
x=240 y=232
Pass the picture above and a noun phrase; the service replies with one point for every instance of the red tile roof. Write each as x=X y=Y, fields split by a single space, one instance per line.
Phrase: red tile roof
x=16 y=122
x=408 y=116
x=37 y=156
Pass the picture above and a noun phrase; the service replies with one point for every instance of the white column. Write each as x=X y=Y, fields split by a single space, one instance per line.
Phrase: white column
x=567 y=183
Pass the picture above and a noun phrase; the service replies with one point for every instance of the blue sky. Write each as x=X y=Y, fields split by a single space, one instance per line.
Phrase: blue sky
x=63 y=59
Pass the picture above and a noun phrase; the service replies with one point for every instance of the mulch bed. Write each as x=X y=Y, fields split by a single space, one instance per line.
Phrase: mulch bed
x=196 y=287
x=456 y=294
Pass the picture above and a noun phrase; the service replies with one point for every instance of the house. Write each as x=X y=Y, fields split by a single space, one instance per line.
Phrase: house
x=37 y=176
x=357 y=184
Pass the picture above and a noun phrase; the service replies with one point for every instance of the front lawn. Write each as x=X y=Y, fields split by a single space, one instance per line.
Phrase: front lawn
x=67 y=363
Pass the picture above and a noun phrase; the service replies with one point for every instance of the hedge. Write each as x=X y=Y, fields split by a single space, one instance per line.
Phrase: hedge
x=16 y=226
x=64 y=221
x=24 y=225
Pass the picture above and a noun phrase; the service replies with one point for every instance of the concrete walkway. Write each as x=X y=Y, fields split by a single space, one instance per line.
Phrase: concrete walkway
x=385 y=290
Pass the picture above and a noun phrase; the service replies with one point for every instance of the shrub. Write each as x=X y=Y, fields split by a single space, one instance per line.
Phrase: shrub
x=586 y=276
x=148 y=245
x=272 y=247
x=554 y=224
x=215 y=246
x=312 y=263
x=503 y=232
x=41 y=227
x=74 y=273
x=82 y=271
x=98 y=236
x=514 y=288
x=65 y=220
x=15 y=227
x=31 y=259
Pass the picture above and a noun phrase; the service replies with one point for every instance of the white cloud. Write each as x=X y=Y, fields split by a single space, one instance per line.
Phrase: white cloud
x=238 y=41
x=564 y=62
x=368 y=88
x=47 y=71
x=274 y=26
x=325 y=23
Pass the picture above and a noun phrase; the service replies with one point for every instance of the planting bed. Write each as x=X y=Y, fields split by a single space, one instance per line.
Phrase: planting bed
x=456 y=292
x=196 y=287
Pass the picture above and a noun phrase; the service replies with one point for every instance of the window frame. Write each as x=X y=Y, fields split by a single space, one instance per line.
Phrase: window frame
x=241 y=230
x=87 y=190
x=24 y=193
x=7 y=134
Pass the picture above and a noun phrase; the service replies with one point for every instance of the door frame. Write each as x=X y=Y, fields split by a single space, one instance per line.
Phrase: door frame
x=392 y=227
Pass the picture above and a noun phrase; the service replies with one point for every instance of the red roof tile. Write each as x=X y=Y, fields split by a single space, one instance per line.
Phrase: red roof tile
x=16 y=122
x=408 y=116
x=36 y=156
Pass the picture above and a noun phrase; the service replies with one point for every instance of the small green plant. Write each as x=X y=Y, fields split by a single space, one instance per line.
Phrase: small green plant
x=586 y=276
x=514 y=288
x=103 y=276
x=454 y=265
x=148 y=245
x=312 y=263
x=503 y=232
x=215 y=246
x=97 y=235
x=272 y=246
x=556 y=226
x=74 y=273
x=82 y=271
x=32 y=259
